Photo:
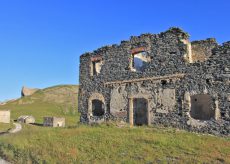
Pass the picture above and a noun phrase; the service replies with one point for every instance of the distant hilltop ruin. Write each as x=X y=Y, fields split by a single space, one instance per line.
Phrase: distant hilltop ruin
x=28 y=91
x=158 y=79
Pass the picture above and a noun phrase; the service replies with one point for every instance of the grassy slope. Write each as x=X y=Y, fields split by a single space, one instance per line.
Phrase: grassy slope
x=106 y=144
x=100 y=144
x=4 y=127
x=54 y=101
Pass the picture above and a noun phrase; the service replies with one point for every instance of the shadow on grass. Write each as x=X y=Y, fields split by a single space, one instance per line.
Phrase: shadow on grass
x=37 y=124
x=5 y=132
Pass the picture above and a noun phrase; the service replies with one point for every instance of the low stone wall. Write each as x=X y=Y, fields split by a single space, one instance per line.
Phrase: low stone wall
x=54 y=121
x=5 y=116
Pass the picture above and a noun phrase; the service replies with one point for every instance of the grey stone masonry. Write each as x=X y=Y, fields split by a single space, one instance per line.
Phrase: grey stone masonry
x=158 y=79
x=54 y=121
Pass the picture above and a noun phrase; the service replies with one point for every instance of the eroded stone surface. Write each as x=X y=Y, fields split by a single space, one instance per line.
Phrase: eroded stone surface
x=54 y=121
x=166 y=100
x=176 y=71
x=202 y=50
x=118 y=102
x=5 y=116
x=28 y=91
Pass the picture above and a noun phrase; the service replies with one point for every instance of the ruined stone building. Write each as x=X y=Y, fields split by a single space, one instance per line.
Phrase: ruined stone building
x=158 y=79
x=4 y=116
x=54 y=121
x=26 y=119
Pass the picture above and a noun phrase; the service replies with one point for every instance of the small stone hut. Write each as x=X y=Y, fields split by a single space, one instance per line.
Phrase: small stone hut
x=54 y=121
x=5 y=116
x=26 y=119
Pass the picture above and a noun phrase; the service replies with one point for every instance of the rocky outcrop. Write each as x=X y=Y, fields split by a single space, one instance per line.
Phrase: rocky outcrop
x=28 y=91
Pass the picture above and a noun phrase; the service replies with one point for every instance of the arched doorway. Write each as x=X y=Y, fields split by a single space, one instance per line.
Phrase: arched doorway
x=98 y=108
x=96 y=105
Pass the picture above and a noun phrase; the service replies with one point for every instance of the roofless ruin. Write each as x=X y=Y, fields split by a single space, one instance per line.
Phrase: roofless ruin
x=161 y=79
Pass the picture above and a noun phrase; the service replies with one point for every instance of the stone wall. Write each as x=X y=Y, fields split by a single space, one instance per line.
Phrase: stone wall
x=202 y=50
x=5 y=116
x=170 y=77
x=26 y=119
x=54 y=121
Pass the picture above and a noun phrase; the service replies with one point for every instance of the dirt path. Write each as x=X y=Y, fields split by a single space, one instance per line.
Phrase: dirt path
x=18 y=128
x=3 y=162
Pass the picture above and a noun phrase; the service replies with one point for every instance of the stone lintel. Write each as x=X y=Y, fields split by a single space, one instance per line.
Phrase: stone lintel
x=156 y=78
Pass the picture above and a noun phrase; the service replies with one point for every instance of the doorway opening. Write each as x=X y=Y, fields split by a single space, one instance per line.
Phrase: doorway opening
x=140 y=109
x=98 y=108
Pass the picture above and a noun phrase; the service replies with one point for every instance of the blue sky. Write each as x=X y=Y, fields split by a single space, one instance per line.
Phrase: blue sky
x=41 y=40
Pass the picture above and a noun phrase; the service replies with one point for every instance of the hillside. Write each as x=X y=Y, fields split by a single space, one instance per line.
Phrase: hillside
x=106 y=143
x=54 y=101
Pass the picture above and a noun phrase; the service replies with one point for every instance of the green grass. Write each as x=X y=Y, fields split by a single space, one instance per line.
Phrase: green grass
x=110 y=144
x=54 y=101
x=99 y=144
x=4 y=127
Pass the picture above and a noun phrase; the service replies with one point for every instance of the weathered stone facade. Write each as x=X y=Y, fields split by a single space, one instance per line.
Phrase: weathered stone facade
x=54 y=121
x=4 y=116
x=161 y=79
x=26 y=119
